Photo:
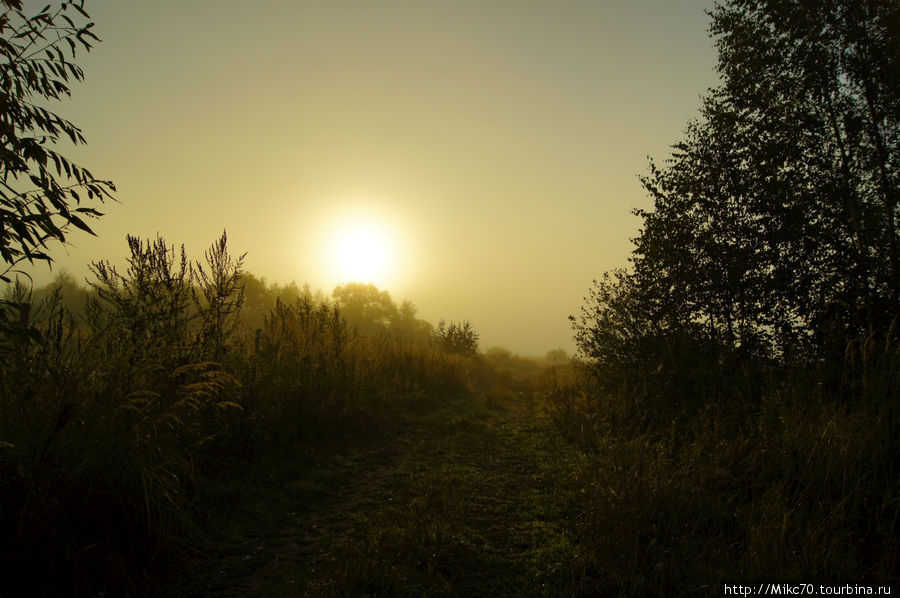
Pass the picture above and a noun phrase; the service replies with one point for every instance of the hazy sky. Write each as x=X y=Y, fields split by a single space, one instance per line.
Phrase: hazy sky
x=495 y=146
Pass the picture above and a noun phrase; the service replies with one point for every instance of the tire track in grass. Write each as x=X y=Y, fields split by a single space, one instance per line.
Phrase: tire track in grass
x=471 y=499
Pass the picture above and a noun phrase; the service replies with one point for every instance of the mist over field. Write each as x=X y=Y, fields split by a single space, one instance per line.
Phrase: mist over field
x=404 y=299
x=493 y=148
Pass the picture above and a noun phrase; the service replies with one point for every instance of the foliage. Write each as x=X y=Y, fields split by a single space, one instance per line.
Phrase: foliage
x=114 y=422
x=40 y=189
x=774 y=223
x=408 y=327
x=737 y=387
x=459 y=338
x=556 y=356
x=772 y=235
x=15 y=310
x=365 y=306
x=799 y=487
x=372 y=312
x=149 y=302
x=102 y=426
x=222 y=296
x=260 y=297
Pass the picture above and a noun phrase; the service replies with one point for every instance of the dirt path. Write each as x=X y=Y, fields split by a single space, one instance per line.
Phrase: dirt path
x=469 y=500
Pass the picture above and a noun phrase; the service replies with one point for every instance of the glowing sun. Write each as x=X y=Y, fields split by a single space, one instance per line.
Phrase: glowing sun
x=362 y=252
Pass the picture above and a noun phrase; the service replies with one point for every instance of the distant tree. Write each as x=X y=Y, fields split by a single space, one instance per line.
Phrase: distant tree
x=257 y=300
x=73 y=296
x=365 y=306
x=41 y=191
x=499 y=353
x=260 y=297
x=408 y=327
x=557 y=356
x=458 y=338
x=289 y=292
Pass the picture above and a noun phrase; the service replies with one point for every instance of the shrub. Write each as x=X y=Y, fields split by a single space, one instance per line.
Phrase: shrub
x=459 y=338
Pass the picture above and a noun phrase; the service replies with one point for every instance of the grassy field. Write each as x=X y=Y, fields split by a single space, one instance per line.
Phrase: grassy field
x=154 y=444
x=469 y=497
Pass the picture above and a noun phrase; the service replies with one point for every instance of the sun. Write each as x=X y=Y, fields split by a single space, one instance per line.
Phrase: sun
x=362 y=252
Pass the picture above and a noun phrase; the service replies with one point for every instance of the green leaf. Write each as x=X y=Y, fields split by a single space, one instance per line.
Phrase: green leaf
x=78 y=222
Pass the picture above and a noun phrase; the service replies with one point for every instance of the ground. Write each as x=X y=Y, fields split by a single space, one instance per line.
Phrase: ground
x=464 y=499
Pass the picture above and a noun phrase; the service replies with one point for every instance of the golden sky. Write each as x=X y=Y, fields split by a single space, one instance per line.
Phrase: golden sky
x=493 y=145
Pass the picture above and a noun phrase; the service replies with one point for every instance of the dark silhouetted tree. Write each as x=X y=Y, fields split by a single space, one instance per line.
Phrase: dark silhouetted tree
x=773 y=231
x=774 y=223
x=715 y=251
x=815 y=86
x=41 y=191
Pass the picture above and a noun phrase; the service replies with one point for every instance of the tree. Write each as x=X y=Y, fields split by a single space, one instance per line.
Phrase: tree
x=41 y=191
x=557 y=356
x=365 y=306
x=715 y=251
x=816 y=83
x=459 y=338
x=408 y=327
x=774 y=223
x=774 y=226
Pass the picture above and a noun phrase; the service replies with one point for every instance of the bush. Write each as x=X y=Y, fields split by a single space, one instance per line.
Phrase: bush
x=459 y=338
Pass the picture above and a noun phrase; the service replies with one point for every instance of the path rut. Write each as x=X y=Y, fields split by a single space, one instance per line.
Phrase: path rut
x=469 y=500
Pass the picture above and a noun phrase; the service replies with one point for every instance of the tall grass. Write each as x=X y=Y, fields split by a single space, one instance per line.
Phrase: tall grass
x=112 y=421
x=307 y=372
x=799 y=483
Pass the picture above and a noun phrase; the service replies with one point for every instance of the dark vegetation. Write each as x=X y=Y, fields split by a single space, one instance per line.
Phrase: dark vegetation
x=182 y=427
x=738 y=396
x=467 y=496
x=42 y=191
x=128 y=408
